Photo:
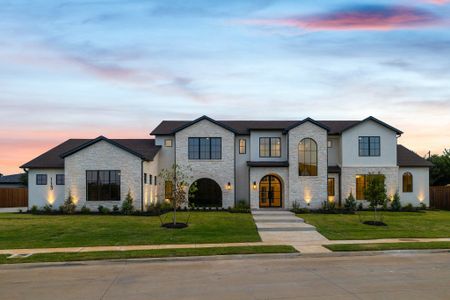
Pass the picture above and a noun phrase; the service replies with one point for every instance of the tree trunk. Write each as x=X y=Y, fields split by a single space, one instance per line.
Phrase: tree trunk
x=174 y=214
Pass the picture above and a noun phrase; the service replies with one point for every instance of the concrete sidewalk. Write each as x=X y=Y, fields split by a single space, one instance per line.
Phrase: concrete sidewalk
x=125 y=248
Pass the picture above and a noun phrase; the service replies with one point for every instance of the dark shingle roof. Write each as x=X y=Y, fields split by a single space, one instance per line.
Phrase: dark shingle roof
x=144 y=148
x=407 y=158
x=244 y=126
x=10 y=179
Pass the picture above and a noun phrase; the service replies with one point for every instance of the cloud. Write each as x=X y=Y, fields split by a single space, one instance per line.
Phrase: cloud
x=368 y=17
x=438 y=2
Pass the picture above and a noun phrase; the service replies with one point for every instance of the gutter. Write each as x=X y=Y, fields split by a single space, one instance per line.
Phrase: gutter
x=142 y=185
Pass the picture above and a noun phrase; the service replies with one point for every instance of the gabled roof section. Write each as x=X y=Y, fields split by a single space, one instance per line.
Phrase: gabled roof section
x=321 y=125
x=407 y=158
x=370 y=118
x=144 y=148
x=99 y=139
x=243 y=127
x=218 y=123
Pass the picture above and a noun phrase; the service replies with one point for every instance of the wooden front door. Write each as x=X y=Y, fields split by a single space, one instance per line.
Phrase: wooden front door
x=270 y=191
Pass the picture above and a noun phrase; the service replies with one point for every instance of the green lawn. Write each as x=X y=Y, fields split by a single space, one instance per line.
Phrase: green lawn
x=43 y=231
x=59 y=257
x=390 y=246
x=430 y=224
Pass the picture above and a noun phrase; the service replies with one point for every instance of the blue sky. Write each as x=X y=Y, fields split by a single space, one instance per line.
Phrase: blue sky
x=117 y=68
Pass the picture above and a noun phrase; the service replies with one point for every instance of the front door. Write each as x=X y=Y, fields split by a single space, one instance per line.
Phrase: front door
x=270 y=191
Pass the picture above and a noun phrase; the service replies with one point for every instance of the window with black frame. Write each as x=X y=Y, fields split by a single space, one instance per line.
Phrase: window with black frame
x=205 y=148
x=369 y=146
x=41 y=179
x=307 y=157
x=103 y=185
x=269 y=147
x=59 y=179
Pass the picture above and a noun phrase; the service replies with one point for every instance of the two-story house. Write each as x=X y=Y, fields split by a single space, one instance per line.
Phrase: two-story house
x=268 y=164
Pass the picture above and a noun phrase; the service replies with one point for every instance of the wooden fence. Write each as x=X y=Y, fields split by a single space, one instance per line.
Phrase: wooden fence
x=13 y=197
x=440 y=197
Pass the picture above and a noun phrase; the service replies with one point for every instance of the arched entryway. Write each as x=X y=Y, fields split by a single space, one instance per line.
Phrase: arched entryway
x=270 y=191
x=206 y=194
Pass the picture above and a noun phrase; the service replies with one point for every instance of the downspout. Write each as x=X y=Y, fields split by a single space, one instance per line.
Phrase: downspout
x=142 y=185
x=340 y=189
x=234 y=150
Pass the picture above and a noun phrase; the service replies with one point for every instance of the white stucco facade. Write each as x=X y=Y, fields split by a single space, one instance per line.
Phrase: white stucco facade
x=49 y=194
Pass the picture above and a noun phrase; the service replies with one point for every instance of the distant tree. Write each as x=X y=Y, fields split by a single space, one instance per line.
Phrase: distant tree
x=24 y=179
x=440 y=171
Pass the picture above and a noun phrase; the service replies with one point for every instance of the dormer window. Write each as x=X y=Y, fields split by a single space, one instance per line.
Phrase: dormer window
x=369 y=146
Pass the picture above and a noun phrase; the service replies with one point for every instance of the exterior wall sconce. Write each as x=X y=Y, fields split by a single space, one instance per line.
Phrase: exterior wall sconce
x=228 y=187
x=254 y=185
x=51 y=183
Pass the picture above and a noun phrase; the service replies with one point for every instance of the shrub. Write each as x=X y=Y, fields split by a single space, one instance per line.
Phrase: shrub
x=360 y=206
x=115 y=208
x=105 y=210
x=422 y=206
x=396 y=204
x=127 y=205
x=68 y=206
x=328 y=205
x=242 y=204
x=166 y=206
x=48 y=208
x=350 y=203
x=408 y=207
x=100 y=208
x=85 y=210
x=34 y=209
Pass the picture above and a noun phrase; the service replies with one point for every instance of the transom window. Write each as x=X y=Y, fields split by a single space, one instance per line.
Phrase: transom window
x=205 y=148
x=369 y=145
x=407 y=182
x=307 y=157
x=41 y=179
x=242 y=146
x=59 y=179
x=269 y=147
x=103 y=185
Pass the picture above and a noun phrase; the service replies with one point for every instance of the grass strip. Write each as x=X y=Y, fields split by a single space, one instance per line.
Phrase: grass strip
x=102 y=255
x=389 y=246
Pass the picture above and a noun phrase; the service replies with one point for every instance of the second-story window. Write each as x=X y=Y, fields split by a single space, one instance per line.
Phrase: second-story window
x=59 y=179
x=269 y=147
x=369 y=145
x=205 y=148
x=307 y=157
x=167 y=143
x=242 y=146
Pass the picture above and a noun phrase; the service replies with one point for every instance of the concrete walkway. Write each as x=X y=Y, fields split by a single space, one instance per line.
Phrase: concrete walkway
x=283 y=227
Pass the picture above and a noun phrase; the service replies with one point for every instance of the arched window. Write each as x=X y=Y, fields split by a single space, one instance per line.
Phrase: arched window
x=307 y=157
x=407 y=182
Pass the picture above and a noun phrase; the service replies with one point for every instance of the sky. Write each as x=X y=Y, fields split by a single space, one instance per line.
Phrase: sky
x=80 y=69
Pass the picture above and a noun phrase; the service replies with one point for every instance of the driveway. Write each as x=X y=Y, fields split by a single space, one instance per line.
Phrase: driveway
x=390 y=276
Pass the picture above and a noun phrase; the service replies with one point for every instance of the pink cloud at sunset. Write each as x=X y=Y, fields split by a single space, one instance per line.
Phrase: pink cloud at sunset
x=358 y=18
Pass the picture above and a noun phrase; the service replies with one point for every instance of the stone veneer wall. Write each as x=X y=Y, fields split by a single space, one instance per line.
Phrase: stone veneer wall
x=256 y=174
x=103 y=156
x=307 y=189
x=221 y=171
x=348 y=177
